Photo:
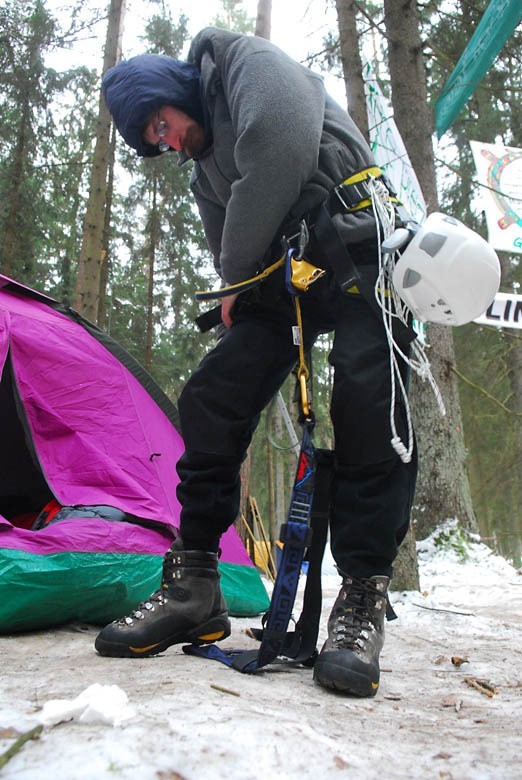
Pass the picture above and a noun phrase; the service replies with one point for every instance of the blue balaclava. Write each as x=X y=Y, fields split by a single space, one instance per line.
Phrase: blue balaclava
x=135 y=88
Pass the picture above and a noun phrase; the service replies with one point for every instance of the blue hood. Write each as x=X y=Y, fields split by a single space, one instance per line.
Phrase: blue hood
x=134 y=88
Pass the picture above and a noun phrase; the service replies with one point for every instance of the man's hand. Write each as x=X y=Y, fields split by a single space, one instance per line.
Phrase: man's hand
x=227 y=305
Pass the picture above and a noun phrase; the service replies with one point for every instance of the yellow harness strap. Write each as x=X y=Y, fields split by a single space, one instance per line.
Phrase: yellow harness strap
x=239 y=287
x=374 y=172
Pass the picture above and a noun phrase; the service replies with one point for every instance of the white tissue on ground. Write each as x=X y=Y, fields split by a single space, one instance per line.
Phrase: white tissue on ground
x=98 y=703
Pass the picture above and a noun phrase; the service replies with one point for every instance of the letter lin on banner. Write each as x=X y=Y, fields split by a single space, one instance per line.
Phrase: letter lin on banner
x=499 y=170
x=504 y=312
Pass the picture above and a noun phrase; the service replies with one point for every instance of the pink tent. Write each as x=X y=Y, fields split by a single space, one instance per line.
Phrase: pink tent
x=81 y=422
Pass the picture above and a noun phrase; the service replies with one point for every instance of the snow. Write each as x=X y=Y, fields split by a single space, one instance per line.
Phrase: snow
x=449 y=704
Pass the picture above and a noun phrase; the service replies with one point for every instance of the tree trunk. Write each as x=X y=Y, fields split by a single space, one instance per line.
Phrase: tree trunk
x=91 y=254
x=262 y=30
x=281 y=493
x=514 y=364
x=245 y=495
x=443 y=488
x=264 y=19
x=352 y=64
x=105 y=269
x=409 y=93
x=272 y=525
x=509 y=280
x=153 y=242
x=13 y=198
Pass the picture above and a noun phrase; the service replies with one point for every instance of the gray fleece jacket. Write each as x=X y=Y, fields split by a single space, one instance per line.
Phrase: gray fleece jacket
x=280 y=144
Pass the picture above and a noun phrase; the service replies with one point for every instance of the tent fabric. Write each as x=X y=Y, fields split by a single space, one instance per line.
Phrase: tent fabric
x=98 y=438
x=82 y=422
x=95 y=571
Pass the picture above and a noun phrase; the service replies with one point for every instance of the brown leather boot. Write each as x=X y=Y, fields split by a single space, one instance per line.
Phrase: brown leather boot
x=349 y=659
x=188 y=607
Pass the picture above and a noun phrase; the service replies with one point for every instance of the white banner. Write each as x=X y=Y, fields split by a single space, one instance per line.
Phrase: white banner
x=499 y=170
x=504 y=312
x=388 y=148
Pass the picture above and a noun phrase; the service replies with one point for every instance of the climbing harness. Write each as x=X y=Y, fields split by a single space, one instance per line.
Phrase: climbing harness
x=299 y=275
x=355 y=193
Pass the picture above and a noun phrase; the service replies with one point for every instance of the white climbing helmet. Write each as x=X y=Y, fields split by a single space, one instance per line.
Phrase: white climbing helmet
x=447 y=274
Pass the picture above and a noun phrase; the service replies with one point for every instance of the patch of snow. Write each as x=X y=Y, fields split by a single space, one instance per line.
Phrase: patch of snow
x=177 y=717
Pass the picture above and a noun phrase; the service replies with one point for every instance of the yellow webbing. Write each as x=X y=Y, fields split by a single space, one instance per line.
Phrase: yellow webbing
x=363 y=175
x=230 y=289
x=374 y=171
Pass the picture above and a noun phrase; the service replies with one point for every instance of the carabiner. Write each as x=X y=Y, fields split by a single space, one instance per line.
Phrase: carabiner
x=305 y=402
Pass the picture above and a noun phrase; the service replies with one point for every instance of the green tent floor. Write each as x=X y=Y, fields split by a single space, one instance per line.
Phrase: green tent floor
x=40 y=591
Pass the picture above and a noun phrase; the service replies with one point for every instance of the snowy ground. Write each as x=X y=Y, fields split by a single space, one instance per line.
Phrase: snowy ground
x=176 y=717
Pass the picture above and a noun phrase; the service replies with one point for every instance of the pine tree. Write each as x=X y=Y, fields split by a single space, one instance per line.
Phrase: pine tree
x=489 y=361
x=155 y=271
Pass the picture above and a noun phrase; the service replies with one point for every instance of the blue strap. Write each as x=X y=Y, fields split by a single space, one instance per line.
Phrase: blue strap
x=296 y=536
x=288 y=272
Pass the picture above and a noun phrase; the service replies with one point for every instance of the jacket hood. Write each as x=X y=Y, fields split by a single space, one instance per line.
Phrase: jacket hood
x=213 y=40
x=135 y=88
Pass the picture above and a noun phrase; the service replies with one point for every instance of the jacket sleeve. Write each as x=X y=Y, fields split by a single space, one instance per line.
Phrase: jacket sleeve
x=213 y=218
x=277 y=110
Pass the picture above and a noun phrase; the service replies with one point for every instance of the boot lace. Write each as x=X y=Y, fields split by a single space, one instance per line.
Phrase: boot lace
x=158 y=598
x=353 y=622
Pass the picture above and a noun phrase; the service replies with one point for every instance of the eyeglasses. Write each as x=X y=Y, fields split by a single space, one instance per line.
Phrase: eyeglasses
x=161 y=130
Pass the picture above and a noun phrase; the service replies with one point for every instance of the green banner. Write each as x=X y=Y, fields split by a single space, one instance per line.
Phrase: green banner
x=499 y=20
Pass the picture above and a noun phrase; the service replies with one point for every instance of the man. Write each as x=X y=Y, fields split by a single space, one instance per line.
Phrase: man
x=269 y=148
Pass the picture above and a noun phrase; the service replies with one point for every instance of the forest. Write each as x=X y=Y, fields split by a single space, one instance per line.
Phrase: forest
x=118 y=238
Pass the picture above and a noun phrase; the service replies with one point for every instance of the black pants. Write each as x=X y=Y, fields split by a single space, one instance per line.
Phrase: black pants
x=220 y=406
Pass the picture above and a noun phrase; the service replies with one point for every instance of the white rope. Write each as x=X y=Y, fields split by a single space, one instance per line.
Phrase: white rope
x=393 y=307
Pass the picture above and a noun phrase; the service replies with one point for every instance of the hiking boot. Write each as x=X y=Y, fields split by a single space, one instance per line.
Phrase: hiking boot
x=349 y=659
x=188 y=607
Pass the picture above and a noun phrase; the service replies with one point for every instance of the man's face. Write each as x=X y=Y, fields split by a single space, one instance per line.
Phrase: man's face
x=174 y=128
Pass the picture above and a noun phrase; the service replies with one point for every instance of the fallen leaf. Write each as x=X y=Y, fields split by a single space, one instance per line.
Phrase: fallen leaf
x=458 y=660
x=443 y=755
x=440 y=659
x=340 y=762
x=9 y=733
